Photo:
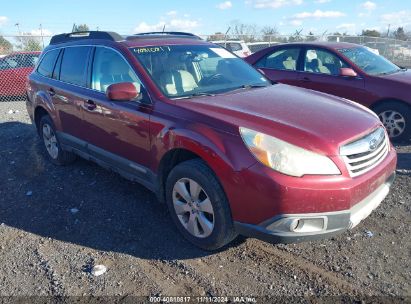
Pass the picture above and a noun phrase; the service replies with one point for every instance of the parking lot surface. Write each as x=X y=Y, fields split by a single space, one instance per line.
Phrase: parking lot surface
x=56 y=223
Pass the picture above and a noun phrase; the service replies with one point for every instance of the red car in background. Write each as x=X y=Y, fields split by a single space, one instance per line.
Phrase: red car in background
x=345 y=70
x=14 y=69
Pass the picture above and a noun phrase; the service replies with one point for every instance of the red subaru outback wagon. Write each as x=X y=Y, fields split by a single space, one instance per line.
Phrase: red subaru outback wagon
x=228 y=152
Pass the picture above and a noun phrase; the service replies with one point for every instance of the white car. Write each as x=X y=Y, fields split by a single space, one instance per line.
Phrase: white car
x=237 y=47
x=257 y=46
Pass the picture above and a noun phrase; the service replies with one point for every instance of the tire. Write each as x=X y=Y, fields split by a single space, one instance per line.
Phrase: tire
x=396 y=117
x=193 y=172
x=51 y=143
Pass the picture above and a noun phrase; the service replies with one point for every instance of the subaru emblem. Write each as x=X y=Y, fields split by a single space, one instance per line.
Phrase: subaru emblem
x=373 y=144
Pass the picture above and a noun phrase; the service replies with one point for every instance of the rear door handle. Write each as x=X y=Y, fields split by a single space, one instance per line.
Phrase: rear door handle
x=90 y=105
x=51 y=92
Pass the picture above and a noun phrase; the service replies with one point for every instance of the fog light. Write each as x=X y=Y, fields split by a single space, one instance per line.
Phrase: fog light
x=307 y=225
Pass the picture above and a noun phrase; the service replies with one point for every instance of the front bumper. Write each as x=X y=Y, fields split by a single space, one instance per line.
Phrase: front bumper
x=294 y=228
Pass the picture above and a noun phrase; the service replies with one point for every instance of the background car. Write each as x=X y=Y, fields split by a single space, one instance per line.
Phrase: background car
x=258 y=46
x=14 y=69
x=346 y=70
x=237 y=47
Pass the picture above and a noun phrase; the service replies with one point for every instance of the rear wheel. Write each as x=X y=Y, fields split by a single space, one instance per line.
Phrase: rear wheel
x=51 y=144
x=396 y=118
x=198 y=205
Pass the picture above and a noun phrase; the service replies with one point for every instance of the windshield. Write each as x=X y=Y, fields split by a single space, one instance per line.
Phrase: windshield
x=369 y=62
x=190 y=70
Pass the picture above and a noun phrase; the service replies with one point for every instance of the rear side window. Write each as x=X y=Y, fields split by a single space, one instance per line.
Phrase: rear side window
x=284 y=59
x=46 y=65
x=74 y=65
x=234 y=47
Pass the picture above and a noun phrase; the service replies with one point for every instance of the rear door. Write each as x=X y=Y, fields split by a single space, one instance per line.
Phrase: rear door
x=70 y=93
x=281 y=64
x=321 y=72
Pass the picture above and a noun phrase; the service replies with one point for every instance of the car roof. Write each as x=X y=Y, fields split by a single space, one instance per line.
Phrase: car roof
x=162 y=41
x=137 y=40
x=327 y=44
x=227 y=41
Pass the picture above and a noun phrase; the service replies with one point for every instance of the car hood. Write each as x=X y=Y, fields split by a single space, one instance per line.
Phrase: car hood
x=402 y=76
x=309 y=119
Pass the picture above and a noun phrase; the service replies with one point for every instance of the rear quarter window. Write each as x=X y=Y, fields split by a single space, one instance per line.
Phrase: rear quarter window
x=74 y=65
x=46 y=65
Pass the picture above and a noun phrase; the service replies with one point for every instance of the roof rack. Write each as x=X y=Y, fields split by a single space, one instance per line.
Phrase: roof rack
x=75 y=36
x=163 y=35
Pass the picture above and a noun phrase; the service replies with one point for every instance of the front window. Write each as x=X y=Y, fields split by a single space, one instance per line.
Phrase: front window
x=322 y=62
x=187 y=70
x=369 y=62
x=109 y=68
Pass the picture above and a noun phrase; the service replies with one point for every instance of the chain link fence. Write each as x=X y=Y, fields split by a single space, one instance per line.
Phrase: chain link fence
x=19 y=53
x=18 y=56
x=397 y=51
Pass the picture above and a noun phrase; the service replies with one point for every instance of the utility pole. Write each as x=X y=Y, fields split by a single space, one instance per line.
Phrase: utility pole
x=41 y=33
x=18 y=27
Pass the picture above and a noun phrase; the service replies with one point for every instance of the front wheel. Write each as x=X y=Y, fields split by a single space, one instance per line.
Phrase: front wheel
x=396 y=118
x=198 y=205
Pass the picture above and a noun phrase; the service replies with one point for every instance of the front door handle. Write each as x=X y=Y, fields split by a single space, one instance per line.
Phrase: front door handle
x=90 y=105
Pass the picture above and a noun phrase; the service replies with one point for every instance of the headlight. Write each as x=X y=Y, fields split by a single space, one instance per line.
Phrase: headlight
x=286 y=158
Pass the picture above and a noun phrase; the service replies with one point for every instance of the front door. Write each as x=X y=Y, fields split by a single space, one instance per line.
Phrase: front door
x=116 y=131
x=321 y=72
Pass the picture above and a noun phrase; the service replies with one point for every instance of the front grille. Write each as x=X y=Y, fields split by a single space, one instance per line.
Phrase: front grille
x=366 y=153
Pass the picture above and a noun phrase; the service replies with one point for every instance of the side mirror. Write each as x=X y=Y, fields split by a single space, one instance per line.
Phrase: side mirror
x=348 y=72
x=123 y=91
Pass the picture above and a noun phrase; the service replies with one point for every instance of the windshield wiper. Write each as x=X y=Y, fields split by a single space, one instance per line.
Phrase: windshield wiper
x=194 y=95
x=391 y=72
x=253 y=86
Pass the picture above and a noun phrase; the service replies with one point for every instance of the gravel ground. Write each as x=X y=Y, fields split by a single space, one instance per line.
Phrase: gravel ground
x=58 y=222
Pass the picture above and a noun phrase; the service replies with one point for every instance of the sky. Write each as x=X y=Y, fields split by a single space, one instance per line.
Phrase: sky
x=203 y=17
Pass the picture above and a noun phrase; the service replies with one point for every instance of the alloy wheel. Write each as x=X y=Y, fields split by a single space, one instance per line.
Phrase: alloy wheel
x=193 y=208
x=394 y=122
x=50 y=141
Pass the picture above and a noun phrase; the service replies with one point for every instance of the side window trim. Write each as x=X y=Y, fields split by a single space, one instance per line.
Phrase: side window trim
x=91 y=67
x=90 y=63
x=57 y=65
